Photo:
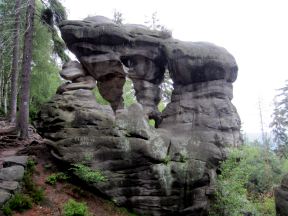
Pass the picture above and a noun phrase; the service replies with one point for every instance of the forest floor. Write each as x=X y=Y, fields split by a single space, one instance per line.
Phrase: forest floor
x=55 y=196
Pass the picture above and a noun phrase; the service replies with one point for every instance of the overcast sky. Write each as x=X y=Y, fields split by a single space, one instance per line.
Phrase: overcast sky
x=254 y=31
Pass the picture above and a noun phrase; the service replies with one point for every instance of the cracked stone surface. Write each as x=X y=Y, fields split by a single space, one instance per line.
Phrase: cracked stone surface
x=168 y=170
x=15 y=160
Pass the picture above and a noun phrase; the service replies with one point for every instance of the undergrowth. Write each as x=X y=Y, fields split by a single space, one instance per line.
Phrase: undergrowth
x=31 y=193
x=56 y=177
x=74 y=208
x=19 y=202
x=87 y=174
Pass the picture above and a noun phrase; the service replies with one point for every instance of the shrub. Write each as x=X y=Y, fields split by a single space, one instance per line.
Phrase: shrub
x=19 y=202
x=87 y=174
x=73 y=208
x=52 y=179
x=266 y=207
x=37 y=194
x=247 y=176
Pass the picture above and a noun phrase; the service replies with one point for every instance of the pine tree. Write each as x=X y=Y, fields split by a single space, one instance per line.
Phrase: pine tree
x=26 y=70
x=280 y=121
x=15 y=60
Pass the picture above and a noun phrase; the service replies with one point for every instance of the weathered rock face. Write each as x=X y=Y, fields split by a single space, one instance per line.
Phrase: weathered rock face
x=105 y=48
x=74 y=72
x=169 y=170
x=281 y=197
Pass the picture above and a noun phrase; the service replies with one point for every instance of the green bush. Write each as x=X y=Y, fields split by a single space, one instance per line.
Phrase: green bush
x=266 y=206
x=19 y=202
x=55 y=177
x=87 y=174
x=52 y=179
x=73 y=208
x=247 y=176
x=37 y=194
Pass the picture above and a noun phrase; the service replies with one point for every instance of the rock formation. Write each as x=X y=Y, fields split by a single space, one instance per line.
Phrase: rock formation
x=281 y=197
x=11 y=174
x=168 y=170
x=74 y=72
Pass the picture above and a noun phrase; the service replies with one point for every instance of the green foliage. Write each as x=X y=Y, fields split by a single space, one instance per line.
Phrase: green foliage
x=152 y=122
x=161 y=106
x=55 y=177
x=30 y=167
x=19 y=202
x=128 y=94
x=87 y=174
x=266 y=206
x=183 y=158
x=280 y=121
x=44 y=76
x=34 y=192
x=37 y=195
x=99 y=97
x=73 y=208
x=167 y=159
x=247 y=176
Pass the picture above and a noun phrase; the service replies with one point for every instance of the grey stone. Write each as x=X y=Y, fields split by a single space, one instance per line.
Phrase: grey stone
x=87 y=82
x=194 y=62
x=9 y=185
x=4 y=196
x=72 y=70
x=15 y=160
x=168 y=170
x=13 y=173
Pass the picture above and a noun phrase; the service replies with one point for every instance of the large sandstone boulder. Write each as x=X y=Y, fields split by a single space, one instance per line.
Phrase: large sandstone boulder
x=169 y=170
x=281 y=197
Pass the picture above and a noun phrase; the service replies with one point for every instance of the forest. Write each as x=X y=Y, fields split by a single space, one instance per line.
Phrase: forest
x=32 y=53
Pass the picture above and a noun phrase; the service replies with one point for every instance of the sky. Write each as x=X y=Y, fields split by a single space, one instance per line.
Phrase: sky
x=254 y=31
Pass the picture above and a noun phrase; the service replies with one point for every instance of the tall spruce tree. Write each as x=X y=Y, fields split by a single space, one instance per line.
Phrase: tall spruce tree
x=15 y=62
x=280 y=121
x=26 y=70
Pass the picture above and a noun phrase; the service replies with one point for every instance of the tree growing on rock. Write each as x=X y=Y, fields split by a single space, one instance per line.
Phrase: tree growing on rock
x=118 y=17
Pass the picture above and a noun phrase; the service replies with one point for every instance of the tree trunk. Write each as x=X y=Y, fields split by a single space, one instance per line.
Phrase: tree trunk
x=15 y=60
x=26 y=70
x=1 y=84
x=5 y=98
